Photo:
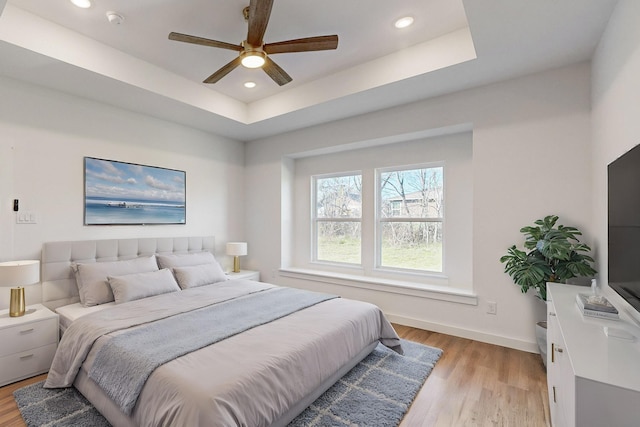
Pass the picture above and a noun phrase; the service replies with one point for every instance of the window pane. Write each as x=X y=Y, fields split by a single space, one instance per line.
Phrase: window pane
x=339 y=197
x=412 y=245
x=414 y=193
x=339 y=241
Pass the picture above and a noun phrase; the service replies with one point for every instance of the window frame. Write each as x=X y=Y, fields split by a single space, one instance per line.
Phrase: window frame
x=379 y=220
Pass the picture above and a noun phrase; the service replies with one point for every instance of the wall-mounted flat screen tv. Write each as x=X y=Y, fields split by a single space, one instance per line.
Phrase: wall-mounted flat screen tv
x=119 y=193
x=624 y=226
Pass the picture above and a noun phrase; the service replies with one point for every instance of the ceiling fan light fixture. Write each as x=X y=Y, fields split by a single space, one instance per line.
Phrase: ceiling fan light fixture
x=84 y=4
x=404 y=22
x=253 y=59
x=253 y=52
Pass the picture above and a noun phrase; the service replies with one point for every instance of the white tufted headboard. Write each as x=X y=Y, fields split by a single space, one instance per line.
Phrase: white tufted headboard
x=58 y=282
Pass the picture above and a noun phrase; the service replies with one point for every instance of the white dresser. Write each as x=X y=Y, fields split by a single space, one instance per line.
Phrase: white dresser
x=593 y=379
x=27 y=343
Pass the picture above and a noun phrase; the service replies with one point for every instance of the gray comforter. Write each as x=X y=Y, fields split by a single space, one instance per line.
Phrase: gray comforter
x=249 y=379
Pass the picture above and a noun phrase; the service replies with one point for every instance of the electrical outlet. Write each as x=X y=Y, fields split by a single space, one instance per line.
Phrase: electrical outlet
x=492 y=307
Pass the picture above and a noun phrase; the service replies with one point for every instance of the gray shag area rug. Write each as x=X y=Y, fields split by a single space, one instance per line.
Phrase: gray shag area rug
x=375 y=393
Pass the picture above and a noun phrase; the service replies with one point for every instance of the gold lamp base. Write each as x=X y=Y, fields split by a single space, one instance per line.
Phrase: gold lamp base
x=17 y=304
x=236 y=264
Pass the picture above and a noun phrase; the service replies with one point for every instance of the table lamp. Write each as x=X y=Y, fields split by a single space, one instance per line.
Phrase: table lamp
x=236 y=249
x=16 y=274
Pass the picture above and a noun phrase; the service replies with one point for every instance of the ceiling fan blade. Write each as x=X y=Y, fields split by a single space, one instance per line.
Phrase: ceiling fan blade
x=275 y=72
x=259 y=12
x=213 y=78
x=303 y=45
x=202 y=41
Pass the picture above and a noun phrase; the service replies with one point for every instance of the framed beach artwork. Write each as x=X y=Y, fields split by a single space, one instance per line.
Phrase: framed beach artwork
x=119 y=193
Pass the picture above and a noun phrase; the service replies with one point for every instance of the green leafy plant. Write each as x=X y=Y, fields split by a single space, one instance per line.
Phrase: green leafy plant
x=555 y=255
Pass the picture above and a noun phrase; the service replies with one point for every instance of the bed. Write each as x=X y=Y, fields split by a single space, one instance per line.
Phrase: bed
x=233 y=365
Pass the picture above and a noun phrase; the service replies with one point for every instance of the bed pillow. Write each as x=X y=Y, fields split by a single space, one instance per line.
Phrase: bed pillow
x=199 y=275
x=135 y=286
x=91 y=278
x=185 y=260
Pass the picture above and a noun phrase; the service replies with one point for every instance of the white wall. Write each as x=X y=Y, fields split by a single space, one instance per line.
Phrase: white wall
x=44 y=136
x=531 y=157
x=616 y=112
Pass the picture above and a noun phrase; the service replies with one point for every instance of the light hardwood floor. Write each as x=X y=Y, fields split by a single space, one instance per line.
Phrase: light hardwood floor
x=478 y=384
x=9 y=414
x=473 y=384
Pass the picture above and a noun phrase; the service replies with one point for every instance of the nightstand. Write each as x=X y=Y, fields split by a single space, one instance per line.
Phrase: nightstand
x=28 y=343
x=245 y=274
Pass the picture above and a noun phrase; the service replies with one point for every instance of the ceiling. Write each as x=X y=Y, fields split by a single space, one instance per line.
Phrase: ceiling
x=453 y=45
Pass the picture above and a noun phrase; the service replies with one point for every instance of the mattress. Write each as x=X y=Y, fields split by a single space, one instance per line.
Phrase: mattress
x=69 y=313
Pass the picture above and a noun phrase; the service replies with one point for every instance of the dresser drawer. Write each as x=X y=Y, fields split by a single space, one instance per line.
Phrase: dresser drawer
x=26 y=364
x=26 y=336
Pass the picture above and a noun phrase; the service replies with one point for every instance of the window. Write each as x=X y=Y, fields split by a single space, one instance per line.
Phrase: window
x=410 y=217
x=396 y=206
x=423 y=239
x=337 y=221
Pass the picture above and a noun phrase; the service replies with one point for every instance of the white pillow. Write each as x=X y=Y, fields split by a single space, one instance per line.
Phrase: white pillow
x=185 y=260
x=135 y=286
x=92 y=278
x=199 y=275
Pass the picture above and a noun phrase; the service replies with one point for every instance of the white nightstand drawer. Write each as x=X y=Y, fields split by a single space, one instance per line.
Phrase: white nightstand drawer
x=245 y=274
x=29 y=335
x=26 y=364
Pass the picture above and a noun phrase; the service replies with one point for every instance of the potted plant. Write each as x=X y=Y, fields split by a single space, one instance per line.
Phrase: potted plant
x=555 y=254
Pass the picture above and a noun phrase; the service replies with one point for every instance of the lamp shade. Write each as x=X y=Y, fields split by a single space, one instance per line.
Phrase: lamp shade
x=237 y=248
x=18 y=273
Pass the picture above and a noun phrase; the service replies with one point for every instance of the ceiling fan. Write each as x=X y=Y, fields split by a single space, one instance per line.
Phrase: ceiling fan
x=254 y=53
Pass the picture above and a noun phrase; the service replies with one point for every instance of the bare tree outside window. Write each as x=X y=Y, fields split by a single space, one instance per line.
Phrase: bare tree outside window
x=338 y=217
x=410 y=218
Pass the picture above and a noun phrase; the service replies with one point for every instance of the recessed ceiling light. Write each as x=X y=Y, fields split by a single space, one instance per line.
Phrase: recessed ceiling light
x=250 y=85
x=82 y=3
x=404 y=22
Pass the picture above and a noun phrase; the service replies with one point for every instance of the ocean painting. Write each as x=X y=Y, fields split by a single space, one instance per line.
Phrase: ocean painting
x=126 y=193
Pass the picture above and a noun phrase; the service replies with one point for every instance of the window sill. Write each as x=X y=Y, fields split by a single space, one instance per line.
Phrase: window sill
x=384 y=285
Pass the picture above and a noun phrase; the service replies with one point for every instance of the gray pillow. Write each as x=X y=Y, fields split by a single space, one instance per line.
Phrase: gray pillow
x=199 y=275
x=135 y=286
x=185 y=260
x=91 y=278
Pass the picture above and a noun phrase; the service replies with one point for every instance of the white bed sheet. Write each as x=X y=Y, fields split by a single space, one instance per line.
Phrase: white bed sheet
x=71 y=312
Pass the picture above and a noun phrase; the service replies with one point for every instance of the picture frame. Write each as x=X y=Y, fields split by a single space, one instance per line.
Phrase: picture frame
x=122 y=193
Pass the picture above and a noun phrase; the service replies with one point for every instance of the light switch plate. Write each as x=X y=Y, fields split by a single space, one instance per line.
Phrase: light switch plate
x=26 y=218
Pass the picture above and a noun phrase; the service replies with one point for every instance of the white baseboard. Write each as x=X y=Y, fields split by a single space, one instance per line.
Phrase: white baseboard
x=530 y=347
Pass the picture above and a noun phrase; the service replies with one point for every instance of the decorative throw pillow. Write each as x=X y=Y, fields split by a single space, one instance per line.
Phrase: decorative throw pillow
x=199 y=275
x=185 y=260
x=135 y=286
x=91 y=278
